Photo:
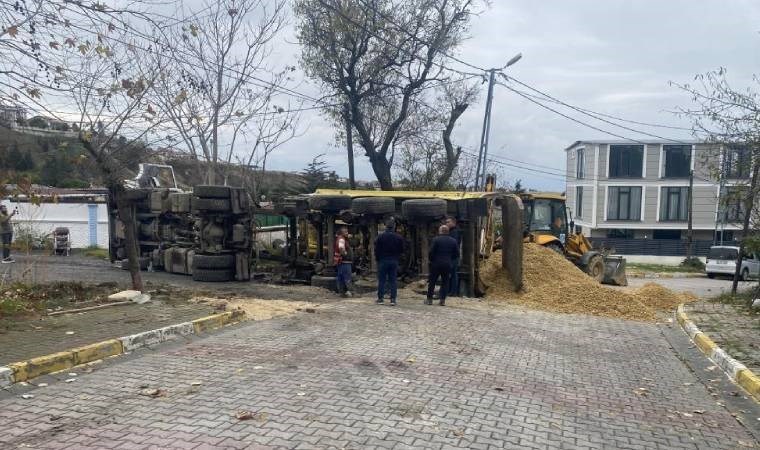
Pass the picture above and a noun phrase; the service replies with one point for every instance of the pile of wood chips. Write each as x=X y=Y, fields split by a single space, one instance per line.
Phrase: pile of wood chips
x=552 y=283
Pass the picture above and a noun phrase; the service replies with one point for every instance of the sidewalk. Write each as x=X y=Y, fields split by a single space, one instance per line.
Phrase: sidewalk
x=732 y=326
x=31 y=337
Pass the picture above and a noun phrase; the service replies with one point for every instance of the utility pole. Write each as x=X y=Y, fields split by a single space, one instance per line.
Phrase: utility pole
x=689 y=233
x=483 y=152
x=349 y=145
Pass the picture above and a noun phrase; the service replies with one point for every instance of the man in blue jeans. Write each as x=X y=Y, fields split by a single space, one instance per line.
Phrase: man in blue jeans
x=455 y=233
x=388 y=249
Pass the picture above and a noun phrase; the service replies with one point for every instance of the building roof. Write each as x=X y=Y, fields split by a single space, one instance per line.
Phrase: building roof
x=629 y=141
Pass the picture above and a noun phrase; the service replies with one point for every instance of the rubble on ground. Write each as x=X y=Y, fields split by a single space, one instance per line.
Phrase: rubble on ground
x=552 y=283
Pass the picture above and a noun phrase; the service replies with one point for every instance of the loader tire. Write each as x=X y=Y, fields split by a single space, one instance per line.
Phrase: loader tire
x=426 y=208
x=214 y=262
x=330 y=203
x=211 y=204
x=209 y=191
x=595 y=268
x=213 y=275
x=373 y=205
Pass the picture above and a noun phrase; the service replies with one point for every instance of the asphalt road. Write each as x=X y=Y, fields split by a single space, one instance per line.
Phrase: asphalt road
x=357 y=375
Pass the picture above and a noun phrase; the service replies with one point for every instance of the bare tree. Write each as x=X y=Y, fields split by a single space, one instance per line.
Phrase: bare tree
x=217 y=86
x=423 y=152
x=379 y=56
x=730 y=118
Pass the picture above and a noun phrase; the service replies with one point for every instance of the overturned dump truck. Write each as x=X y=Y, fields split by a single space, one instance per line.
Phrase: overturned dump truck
x=206 y=233
x=314 y=218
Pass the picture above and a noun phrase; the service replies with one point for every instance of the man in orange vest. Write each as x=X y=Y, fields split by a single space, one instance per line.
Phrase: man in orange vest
x=342 y=258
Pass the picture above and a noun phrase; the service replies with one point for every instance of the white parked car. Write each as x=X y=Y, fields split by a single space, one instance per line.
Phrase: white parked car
x=721 y=260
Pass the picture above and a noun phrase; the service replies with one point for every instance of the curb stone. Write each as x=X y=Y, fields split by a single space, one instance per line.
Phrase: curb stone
x=736 y=370
x=56 y=362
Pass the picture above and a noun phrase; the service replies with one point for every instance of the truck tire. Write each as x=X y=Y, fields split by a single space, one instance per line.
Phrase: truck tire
x=426 y=208
x=211 y=204
x=373 y=205
x=143 y=262
x=330 y=203
x=328 y=283
x=213 y=275
x=224 y=261
x=209 y=191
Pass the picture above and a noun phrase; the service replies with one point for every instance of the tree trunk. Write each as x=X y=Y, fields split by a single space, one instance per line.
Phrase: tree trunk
x=749 y=203
x=452 y=156
x=382 y=169
x=130 y=236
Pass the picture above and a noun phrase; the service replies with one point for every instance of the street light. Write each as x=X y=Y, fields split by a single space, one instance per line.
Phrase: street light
x=483 y=152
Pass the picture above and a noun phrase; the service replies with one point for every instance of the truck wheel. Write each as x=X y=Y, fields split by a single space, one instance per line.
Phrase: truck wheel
x=224 y=261
x=425 y=208
x=330 y=203
x=328 y=283
x=374 y=205
x=208 y=191
x=595 y=268
x=211 y=204
x=213 y=275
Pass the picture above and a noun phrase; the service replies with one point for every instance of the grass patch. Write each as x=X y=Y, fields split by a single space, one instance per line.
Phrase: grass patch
x=662 y=268
x=20 y=299
x=96 y=252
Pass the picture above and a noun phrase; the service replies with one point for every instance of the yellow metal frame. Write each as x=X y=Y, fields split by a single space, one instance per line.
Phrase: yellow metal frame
x=444 y=195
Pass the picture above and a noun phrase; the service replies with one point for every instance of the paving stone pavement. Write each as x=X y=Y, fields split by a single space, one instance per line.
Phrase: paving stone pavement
x=732 y=327
x=356 y=375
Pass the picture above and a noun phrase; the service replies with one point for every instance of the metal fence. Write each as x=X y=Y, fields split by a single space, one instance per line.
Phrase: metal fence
x=655 y=247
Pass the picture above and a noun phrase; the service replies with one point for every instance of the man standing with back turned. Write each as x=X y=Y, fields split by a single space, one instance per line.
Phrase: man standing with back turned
x=455 y=233
x=6 y=233
x=388 y=249
x=443 y=251
x=342 y=258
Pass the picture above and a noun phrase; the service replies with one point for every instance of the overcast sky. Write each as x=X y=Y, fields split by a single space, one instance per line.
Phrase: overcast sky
x=614 y=57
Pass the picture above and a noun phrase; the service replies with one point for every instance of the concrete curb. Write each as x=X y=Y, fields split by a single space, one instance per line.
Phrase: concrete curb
x=56 y=362
x=736 y=370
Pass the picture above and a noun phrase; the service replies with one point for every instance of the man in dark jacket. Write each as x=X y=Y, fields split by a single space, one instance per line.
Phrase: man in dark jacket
x=388 y=249
x=6 y=233
x=443 y=251
x=456 y=233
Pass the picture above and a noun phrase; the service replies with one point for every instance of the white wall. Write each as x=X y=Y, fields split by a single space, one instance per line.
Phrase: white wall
x=74 y=216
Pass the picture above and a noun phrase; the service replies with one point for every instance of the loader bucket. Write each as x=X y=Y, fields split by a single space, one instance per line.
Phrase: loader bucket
x=614 y=271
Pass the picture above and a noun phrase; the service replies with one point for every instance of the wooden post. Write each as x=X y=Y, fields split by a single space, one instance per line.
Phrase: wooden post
x=512 y=239
x=469 y=249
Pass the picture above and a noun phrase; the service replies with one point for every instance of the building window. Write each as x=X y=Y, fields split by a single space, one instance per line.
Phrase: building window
x=624 y=203
x=732 y=204
x=580 y=164
x=677 y=161
x=736 y=162
x=666 y=234
x=620 y=233
x=674 y=204
x=579 y=201
x=626 y=161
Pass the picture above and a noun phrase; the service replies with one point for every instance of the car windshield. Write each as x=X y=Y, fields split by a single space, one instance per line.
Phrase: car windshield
x=725 y=253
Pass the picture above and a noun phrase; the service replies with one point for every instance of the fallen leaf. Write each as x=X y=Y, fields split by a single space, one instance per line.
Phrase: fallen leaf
x=699 y=411
x=72 y=374
x=153 y=393
x=69 y=332
x=500 y=389
x=411 y=359
x=244 y=415
x=256 y=368
x=458 y=432
x=405 y=381
x=27 y=396
x=642 y=391
x=195 y=383
x=301 y=394
x=310 y=310
x=42 y=385
x=711 y=368
x=70 y=380
x=687 y=415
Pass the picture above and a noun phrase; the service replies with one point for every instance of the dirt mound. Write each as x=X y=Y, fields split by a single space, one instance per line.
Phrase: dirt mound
x=552 y=283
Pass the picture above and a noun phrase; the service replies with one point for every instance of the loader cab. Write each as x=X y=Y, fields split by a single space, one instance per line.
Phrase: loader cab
x=545 y=217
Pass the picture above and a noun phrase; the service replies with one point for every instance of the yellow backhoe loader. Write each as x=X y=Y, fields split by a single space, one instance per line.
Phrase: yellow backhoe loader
x=546 y=224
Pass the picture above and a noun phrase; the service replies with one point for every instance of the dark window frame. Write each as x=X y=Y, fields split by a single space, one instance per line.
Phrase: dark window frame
x=679 y=213
x=620 y=193
x=736 y=162
x=732 y=207
x=626 y=161
x=579 y=202
x=668 y=151
x=580 y=164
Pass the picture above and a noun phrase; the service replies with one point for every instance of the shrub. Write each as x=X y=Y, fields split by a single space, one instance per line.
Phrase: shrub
x=693 y=263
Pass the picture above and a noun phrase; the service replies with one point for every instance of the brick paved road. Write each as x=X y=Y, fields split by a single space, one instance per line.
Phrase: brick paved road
x=363 y=376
